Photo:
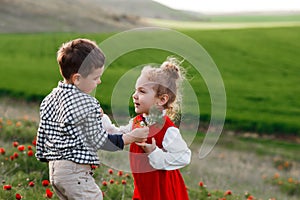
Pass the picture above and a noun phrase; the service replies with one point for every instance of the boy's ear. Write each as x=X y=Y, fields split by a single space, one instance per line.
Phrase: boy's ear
x=163 y=99
x=75 y=78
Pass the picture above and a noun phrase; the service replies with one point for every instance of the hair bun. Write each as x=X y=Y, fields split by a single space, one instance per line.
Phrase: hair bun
x=172 y=67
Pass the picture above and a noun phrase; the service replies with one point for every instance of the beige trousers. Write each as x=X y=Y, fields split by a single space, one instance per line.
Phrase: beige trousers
x=72 y=181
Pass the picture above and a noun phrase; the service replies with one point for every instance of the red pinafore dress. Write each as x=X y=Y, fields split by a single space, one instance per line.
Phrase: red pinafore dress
x=150 y=183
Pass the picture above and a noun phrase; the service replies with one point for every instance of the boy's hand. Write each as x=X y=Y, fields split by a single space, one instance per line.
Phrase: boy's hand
x=136 y=135
x=148 y=148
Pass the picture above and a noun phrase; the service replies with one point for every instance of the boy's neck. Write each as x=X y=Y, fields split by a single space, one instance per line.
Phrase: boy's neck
x=67 y=81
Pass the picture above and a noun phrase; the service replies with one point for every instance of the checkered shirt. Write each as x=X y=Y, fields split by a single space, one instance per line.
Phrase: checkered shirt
x=70 y=126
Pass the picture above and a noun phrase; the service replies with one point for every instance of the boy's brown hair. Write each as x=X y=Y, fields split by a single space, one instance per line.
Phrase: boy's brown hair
x=79 y=56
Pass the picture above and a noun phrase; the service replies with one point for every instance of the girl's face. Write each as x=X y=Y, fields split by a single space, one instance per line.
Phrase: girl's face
x=144 y=96
x=89 y=83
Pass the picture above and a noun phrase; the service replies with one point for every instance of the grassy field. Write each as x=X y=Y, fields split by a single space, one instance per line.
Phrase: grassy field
x=259 y=67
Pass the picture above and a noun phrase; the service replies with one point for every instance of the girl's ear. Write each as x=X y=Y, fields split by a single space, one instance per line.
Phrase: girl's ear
x=163 y=99
x=75 y=78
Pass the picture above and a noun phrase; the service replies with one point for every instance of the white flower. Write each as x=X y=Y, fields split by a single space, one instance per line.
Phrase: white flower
x=155 y=116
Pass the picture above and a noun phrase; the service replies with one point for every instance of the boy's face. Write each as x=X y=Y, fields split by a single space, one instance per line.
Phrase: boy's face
x=144 y=96
x=89 y=83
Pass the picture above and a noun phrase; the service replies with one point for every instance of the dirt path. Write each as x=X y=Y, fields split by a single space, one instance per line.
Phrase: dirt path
x=239 y=171
x=16 y=109
x=219 y=25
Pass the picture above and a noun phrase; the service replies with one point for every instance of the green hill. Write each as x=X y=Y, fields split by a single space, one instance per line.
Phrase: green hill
x=61 y=16
x=28 y=16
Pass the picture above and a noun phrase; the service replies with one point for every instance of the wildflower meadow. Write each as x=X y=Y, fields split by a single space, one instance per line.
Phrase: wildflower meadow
x=24 y=177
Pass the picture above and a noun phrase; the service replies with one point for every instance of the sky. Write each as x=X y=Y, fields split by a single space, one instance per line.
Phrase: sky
x=213 y=6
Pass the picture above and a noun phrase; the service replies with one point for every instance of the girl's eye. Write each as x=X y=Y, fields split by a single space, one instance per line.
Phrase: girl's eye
x=140 y=90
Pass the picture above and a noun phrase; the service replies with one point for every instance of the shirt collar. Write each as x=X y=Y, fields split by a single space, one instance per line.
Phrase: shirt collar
x=67 y=86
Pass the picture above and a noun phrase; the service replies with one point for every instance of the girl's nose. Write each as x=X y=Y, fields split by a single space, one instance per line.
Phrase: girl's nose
x=134 y=96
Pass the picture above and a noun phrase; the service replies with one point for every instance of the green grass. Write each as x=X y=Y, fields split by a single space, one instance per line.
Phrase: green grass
x=260 y=70
x=259 y=67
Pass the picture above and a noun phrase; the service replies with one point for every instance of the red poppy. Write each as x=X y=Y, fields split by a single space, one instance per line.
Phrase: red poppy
x=45 y=183
x=201 y=184
x=21 y=147
x=15 y=143
x=6 y=187
x=49 y=194
x=123 y=182
x=250 y=198
x=139 y=118
x=11 y=157
x=30 y=153
x=111 y=181
x=18 y=196
x=104 y=183
x=139 y=121
x=31 y=184
x=34 y=142
x=29 y=147
x=228 y=192
x=120 y=173
x=2 y=151
x=94 y=166
x=110 y=171
x=127 y=175
x=16 y=155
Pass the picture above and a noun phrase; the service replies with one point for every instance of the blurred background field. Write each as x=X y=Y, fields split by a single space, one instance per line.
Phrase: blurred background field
x=259 y=67
x=257 y=55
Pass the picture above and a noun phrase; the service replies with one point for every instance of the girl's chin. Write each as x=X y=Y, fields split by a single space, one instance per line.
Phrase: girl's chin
x=137 y=111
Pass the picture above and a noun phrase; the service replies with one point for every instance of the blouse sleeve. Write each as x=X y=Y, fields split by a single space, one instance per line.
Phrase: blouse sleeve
x=108 y=125
x=175 y=153
x=126 y=128
x=112 y=129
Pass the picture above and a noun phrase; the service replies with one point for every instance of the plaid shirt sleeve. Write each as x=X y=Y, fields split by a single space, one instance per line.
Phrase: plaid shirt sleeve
x=96 y=136
x=40 y=145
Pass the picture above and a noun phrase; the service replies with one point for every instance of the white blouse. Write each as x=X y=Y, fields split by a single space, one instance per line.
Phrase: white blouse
x=175 y=153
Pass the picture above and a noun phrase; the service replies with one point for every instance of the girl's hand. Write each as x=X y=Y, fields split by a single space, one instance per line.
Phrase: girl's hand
x=148 y=148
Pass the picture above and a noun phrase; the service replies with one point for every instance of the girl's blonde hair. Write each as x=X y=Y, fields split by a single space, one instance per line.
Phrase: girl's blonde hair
x=167 y=79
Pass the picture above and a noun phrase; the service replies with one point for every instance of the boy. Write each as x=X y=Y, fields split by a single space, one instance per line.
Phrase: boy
x=70 y=130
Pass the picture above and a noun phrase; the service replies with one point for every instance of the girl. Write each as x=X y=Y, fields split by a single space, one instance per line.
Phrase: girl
x=155 y=163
